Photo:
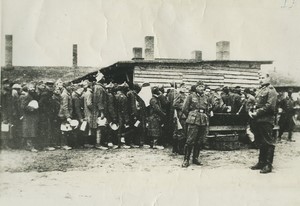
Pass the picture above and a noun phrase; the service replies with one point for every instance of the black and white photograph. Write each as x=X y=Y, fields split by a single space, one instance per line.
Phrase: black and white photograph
x=150 y=102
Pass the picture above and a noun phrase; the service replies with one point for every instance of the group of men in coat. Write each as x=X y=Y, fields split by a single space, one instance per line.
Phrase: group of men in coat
x=63 y=115
x=52 y=115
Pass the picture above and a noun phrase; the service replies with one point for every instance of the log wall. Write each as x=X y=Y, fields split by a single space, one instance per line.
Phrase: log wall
x=213 y=76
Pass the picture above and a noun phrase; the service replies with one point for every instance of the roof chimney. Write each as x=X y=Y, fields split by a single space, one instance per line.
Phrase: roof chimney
x=149 y=47
x=137 y=52
x=197 y=55
x=8 y=50
x=223 y=50
x=74 y=55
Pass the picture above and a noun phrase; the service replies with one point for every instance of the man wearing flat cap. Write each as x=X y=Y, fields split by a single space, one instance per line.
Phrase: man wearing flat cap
x=99 y=109
x=16 y=114
x=65 y=114
x=6 y=109
x=30 y=118
x=155 y=119
x=122 y=113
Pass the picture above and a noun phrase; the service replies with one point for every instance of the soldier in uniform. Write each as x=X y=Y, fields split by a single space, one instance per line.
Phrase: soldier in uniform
x=264 y=117
x=195 y=108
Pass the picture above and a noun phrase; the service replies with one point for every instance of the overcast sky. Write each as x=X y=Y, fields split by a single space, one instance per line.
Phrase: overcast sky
x=106 y=31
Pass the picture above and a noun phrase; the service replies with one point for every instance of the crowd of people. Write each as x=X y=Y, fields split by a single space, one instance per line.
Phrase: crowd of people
x=52 y=115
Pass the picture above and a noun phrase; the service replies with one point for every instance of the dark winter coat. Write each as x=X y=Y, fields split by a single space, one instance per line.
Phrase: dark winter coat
x=266 y=99
x=30 y=118
x=155 y=118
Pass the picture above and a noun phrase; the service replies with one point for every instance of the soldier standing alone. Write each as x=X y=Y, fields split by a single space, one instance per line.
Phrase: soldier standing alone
x=195 y=108
x=264 y=117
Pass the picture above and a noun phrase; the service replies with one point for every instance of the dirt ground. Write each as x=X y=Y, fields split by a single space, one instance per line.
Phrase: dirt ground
x=148 y=177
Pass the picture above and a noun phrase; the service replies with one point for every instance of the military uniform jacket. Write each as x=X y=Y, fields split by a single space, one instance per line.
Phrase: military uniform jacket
x=195 y=107
x=266 y=99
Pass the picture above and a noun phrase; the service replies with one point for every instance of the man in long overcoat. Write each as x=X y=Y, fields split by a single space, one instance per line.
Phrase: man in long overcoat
x=155 y=119
x=65 y=114
x=99 y=110
x=30 y=118
x=264 y=118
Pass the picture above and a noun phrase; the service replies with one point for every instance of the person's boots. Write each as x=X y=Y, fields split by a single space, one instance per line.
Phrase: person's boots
x=196 y=152
x=187 y=154
x=261 y=159
x=269 y=160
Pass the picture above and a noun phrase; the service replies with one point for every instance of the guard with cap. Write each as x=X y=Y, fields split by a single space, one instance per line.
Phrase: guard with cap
x=195 y=108
x=264 y=117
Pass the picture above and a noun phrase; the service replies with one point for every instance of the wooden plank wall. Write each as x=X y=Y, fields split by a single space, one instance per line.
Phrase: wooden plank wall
x=212 y=76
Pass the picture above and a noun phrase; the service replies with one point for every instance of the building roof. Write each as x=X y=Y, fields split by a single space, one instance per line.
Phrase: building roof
x=166 y=61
